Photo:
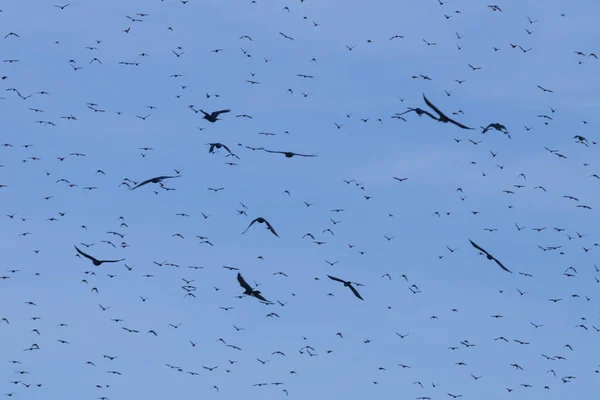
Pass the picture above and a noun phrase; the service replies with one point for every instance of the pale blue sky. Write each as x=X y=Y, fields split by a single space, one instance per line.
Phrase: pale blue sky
x=371 y=81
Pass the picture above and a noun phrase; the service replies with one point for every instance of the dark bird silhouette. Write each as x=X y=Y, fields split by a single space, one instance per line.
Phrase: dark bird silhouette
x=441 y=116
x=248 y=290
x=288 y=154
x=96 y=262
x=347 y=284
x=158 y=179
x=212 y=117
x=489 y=256
x=261 y=220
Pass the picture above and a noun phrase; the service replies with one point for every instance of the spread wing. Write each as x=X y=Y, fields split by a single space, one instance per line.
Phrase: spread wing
x=141 y=184
x=85 y=255
x=477 y=247
x=226 y=148
x=419 y=112
x=271 y=228
x=336 y=279
x=243 y=283
x=251 y=223
x=434 y=108
x=355 y=292
x=502 y=266
x=112 y=261
x=305 y=155
x=272 y=151
x=261 y=298
x=216 y=113
x=458 y=124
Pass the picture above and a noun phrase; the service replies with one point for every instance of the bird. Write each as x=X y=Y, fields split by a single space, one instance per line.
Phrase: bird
x=441 y=116
x=288 y=154
x=347 y=284
x=248 y=289
x=212 y=117
x=489 y=256
x=95 y=261
x=261 y=220
x=157 y=179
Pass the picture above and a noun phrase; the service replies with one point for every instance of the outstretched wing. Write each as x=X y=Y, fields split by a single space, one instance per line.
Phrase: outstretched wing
x=271 y=151
x=141 y=184
x=243 y=283
x=85 y=255
x=251 y=223
x=216 y=113
x=271 y=228
x=261 y=298
x=112 y=261
x=305 y=155
x=477 y=247
x=434 y=108
x=502 y=266
x=458 y=124
x=336 y=279
x=355 y=292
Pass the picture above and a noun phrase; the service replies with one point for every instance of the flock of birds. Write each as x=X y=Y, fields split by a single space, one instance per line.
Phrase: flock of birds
x=391 y=200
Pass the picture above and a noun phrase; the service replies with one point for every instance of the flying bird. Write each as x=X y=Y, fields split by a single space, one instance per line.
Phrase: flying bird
x=441 y=116
x=261 y=220
x=212 y=117
x=158 y=179
x=248 y=290
x=95 y=261
x=347 y=284
x=489 y=256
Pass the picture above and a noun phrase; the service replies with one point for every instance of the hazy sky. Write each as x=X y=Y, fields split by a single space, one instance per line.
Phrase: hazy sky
x=144 y=105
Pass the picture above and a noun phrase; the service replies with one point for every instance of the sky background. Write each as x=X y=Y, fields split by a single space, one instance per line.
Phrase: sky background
x=373 y=81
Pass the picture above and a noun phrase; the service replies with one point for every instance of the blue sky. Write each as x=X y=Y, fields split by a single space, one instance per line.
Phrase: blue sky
x=373 y=81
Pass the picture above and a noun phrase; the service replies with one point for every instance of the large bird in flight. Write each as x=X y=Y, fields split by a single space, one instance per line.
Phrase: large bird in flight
x=158 y=179
x=248 y=290
x=97 y=262
x=212 y=117
x=489 y=256
x=261 y=220
x=347 y=284
x=441 y=116
x=288 y=154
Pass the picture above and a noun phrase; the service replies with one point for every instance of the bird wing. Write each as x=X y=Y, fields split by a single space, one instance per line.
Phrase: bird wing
x=226 y=148
x=477 y=247
x=216 y=113
x=260 y=297
x=243 y=283
x=458 y=124
x=251 y=223
x=434 y=108
x=141 y=184
x=305 y=155
x=502 y=266
x=85 y=255
x=272 y=151
x=271 y=228
x=336 y=279
x=112 y=261
x=355 y=292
